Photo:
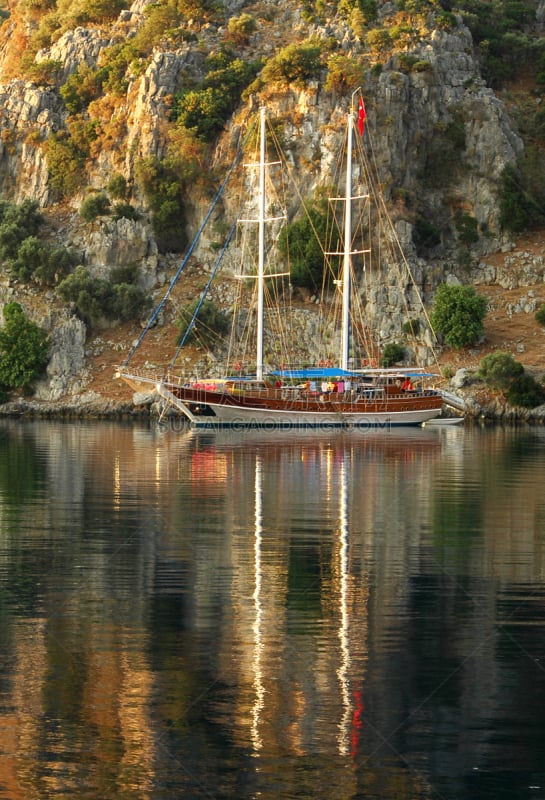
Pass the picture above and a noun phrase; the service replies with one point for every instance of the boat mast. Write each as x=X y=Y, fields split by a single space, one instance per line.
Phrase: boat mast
x=345 y=333
x=261 y=253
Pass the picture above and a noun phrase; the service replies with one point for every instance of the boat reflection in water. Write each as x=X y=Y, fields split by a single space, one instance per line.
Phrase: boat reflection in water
x=307 y=614
x=298 y=614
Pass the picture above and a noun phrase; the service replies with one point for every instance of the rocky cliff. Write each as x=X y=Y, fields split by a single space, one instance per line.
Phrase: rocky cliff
x=442 y=138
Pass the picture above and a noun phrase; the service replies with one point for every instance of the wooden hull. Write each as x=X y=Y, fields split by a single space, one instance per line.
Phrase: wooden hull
x=286 y=408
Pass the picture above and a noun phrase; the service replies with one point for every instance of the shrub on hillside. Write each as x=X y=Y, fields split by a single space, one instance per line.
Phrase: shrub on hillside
x=241 y=28
x=344 y=74
x=117 y=186
x=202 y=110
x=66 y=164
x=444 y=152
x=426 y=235
x=525 y=391
x=210 y=323
x=82 y=87
x=392 y=354
x=295 y=64
x=206 y=108
x=97 y=299
x=23 y=348
x=498 y=370
x=458 y=315
x=125 y=211
x=302 y=242
x=522 y=193
x=17 y=222
x=467 y=229
x=96 y=205
x=27 y=256
x=38 y=261
x=165 y=193
x=411 y=327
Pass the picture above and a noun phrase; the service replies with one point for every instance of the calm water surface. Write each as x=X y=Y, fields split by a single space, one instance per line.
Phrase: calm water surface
x=270 y=615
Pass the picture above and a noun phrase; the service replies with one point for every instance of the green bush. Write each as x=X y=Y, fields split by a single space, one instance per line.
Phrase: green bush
x=17 y=223
x=411 y=327
x=302 y=243
x=202 y=110
x=38 y=261
x=522 y=192
x=540 y=314
x=98 y=11
x=458 y=315
x=525 y=391
x=500 y=36
x=97 y=299
x=66 y=163
x=296 y=64
x=206 y=108
x=69 y=14
x=410 y=63
x=159 y=20
x=210 y=324
x=129 y=301
x=498 y=370
x=23 y=348
x=44 y=73
x=426 y=235
x=49 y=28
x=379 y=40
x=117 y=186
x=444 y=154
x=344 y=74
x=467 y=228
x=29 y=258
x=81 y=87
x=241 y=28
x=513 y=201
x=93 y=297
x=166 y=225
x=96 y=205
x=392 y=354
x=445 y=20
x=119 y=60
x=125 y=211
x=124 y=273
x=164 y=191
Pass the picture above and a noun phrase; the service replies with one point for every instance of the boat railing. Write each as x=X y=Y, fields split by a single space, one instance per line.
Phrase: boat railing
x=357 y=393
x=144 y=375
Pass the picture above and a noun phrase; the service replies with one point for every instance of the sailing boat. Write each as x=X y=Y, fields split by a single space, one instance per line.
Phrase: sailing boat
x=345 y=391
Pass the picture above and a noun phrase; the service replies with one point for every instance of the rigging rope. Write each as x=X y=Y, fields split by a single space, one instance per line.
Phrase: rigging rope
x=180 y=269
x=203 y=295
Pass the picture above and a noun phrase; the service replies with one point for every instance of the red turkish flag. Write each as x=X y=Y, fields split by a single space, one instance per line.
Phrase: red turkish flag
x=361 y=116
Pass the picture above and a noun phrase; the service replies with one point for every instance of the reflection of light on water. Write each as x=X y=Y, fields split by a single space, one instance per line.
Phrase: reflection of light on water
x=258 y=638
x=208 y=466
x=342 y=672
x=328 y=471
x=116 y=492
x=158 y=470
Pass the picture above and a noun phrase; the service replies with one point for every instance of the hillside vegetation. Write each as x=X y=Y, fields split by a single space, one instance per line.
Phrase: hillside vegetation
x=119 y=120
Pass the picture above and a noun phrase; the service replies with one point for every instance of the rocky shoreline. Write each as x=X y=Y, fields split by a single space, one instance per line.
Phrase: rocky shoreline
x=81 y=408
x=497 y=410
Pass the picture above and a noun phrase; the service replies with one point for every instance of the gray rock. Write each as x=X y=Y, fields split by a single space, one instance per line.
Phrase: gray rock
x=460 y=379
x=66 y=360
